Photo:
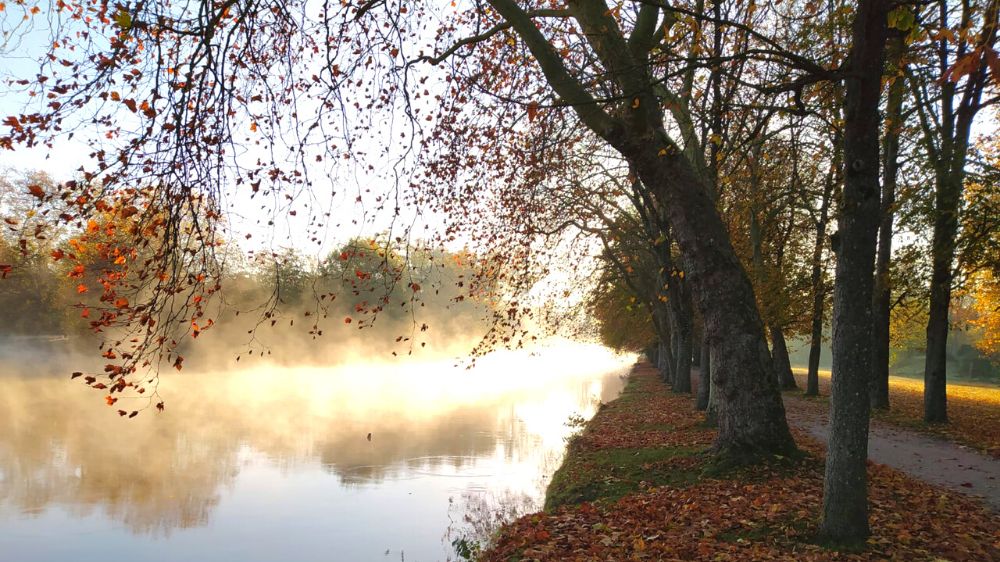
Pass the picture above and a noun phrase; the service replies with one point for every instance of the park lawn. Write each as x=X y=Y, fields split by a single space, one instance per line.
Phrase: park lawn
x=637 y=485
x=973 y=410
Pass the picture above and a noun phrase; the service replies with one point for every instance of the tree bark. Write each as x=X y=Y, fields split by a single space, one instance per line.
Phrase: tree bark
x=685 y=335
x=818 y=284
x=779 y=356
x=750 y=412
x=845 y=497
x=949 y=190
x=704 y=375
x=882 y=298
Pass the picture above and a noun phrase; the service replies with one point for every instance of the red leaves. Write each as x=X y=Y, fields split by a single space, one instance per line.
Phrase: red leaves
x=36 y=190
x=5 y=270
x=13 y=123
x=532 y=110
x=347 y=320
x=159 y=406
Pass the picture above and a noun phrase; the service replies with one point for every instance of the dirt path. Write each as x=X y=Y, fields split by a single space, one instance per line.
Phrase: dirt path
x=933 y=460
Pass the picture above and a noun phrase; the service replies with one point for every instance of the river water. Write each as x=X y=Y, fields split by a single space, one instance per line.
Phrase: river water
x=274 y=463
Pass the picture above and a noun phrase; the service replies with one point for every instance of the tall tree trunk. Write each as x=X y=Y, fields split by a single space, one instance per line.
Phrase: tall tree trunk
x=882 y=298
x=949 y=190
x=696 y=345
x=704 y=375
x=685 y=335
x=779 y=355
x=665 y=358
x=751 y=414
x=845 y=494
x=818 y=284
x=949 y=150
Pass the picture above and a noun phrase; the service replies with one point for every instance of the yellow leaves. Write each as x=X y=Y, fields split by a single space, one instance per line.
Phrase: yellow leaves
x=123 y=19
x=901 y=18
x=986 y=305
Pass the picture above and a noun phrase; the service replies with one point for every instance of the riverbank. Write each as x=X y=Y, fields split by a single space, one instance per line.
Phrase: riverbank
x=637 y=485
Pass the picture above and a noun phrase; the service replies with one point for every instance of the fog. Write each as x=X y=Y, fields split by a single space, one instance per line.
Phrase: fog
x=60 y=445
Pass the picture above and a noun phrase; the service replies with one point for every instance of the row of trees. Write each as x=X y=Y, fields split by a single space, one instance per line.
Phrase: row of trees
x=59 y=284
x=707 y=148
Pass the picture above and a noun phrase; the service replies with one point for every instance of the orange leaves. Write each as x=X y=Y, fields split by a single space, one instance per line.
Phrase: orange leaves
x=76 y=272
x=110 y=400
x=81 y=289
x=971 y=62
x=532 y=110
x=121 y=302
x=13 y=123
x=36 y=190
x=755 y=513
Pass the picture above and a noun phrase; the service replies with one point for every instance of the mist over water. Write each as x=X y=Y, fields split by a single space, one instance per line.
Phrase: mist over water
x=272 y=462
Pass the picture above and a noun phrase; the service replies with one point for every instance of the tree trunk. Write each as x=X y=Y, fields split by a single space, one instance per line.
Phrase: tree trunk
x=685 y=335
x=818 y=285
x=696 y=345
x=750 y=412
x=704 y=376
x=949 y=190
x=779 y=356
x=882 y=298
x=845 y=494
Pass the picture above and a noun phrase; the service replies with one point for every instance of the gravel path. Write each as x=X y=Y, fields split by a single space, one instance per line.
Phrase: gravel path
x=933 y=460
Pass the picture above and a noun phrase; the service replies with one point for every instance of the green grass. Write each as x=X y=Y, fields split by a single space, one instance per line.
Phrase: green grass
x=609 y=474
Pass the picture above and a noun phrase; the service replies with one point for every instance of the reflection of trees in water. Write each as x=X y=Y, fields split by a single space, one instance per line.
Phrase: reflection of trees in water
x=159 y=472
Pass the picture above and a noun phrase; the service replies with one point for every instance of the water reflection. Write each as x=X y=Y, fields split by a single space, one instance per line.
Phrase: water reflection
x=228 y=442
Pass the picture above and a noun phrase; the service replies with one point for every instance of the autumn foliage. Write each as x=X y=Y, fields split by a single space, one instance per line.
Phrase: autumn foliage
x=766 y=512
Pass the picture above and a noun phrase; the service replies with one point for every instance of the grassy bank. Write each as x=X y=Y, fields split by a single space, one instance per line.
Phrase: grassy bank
x=636 y=484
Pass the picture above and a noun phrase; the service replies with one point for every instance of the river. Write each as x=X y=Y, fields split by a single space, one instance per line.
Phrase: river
x=275 y=463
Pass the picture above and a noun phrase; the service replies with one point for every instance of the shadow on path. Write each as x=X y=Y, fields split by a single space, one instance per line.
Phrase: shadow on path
x=933 y=460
